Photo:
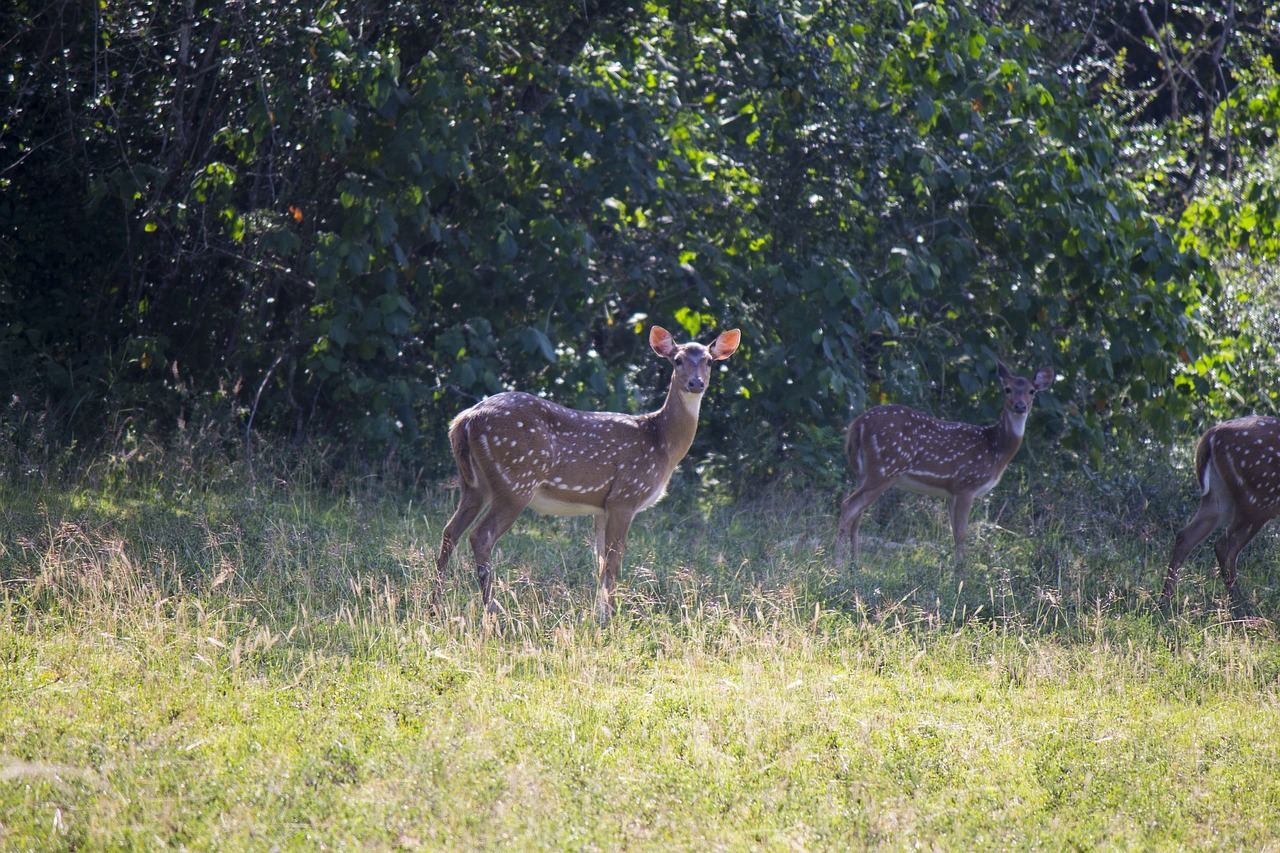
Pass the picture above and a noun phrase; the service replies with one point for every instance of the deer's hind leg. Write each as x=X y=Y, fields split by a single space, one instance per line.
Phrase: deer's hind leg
x=851 y=511
x=1207 y=518
x=470 y=503
x=497 y=520
x=1227 y=549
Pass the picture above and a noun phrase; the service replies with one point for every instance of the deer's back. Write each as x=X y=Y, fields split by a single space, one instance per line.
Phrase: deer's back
x=522 y=443
x=901 y=433
x=531 y=421
x=931 y=455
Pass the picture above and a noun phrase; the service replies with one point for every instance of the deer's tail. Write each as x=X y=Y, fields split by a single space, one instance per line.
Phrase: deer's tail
x=853 y=448
x=460 y=443
x=1204 y=458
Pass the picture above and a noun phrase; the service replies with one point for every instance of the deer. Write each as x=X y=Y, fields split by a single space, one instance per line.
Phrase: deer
x=894 y=445
x=1237 y=465
x=515 y=451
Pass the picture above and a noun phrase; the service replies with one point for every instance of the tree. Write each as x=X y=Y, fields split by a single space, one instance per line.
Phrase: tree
x=350 y=222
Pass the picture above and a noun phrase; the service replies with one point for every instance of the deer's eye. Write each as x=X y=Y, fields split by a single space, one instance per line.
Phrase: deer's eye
x=1008 y=390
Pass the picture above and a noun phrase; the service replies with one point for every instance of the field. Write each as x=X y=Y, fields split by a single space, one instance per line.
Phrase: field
x=201 y=656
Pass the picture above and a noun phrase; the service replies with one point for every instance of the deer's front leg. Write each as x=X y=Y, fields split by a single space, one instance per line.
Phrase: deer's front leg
x=601 y=552
x=959 y=507
x=614 y=525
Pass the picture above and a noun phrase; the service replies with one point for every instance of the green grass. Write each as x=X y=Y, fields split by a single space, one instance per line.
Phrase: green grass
x=205 y=662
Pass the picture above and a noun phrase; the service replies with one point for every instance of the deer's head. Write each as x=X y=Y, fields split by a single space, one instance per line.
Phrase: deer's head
x=1019 y=391
x=692 y=361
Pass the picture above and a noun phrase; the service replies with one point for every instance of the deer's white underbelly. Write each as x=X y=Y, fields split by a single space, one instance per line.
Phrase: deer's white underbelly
x=655 y=496
x=986 y=487
x=548 y=502
x=909 y=484
x=547 y=505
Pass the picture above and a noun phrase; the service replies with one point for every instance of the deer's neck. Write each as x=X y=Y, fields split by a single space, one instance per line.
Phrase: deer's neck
x=676 y=422
x=1005 y=434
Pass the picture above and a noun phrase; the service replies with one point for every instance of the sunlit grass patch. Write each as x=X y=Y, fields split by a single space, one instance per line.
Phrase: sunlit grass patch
x=261 y=668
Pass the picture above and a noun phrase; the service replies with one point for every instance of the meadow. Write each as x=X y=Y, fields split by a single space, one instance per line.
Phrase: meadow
x=206 y=655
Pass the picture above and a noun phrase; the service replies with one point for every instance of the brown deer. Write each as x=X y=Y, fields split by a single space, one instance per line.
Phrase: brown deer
x=515 y=450
x=893 y=445
x=1238 y=469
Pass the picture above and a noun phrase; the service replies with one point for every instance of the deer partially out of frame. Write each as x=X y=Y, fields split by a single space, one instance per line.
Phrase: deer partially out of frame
x=515 y=450
x=893 y=445
x=1238 y=469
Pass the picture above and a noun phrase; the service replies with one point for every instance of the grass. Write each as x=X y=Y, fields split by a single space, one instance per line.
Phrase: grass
x=204 y=661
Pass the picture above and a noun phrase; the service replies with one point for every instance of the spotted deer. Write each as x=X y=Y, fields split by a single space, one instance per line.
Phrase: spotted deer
x=894 y=445
x=515 y=450
x=1238 y=469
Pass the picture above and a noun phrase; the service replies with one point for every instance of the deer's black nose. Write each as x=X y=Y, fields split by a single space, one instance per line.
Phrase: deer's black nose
x=696 y=384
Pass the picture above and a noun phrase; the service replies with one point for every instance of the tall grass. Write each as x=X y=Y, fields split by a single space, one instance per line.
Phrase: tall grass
x=194 y=657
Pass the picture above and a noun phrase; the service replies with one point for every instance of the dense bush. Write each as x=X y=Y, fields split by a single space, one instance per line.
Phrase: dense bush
x=345 y=223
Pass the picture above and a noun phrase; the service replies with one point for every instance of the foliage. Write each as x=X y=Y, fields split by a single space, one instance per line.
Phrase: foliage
x=1195 y=92
x=347 y=222
x=1235 y=222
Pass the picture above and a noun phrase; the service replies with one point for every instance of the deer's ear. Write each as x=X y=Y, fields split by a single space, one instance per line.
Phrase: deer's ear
x=1004 y=372
x=725 y=344
x=1044 y=378
x=661 y=341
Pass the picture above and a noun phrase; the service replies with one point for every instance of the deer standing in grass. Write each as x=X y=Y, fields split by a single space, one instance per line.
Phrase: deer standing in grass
x=1238 y=469
x=894 y=445
x=515 y=450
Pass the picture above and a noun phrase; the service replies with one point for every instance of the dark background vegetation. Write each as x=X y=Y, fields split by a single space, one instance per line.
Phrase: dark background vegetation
x=335 y=225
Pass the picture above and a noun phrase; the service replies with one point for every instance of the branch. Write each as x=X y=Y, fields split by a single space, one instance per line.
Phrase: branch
x=1166 y=61
x=1211 y=100
x=572 y=39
